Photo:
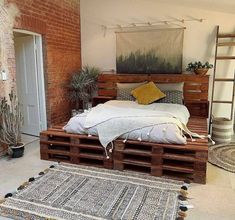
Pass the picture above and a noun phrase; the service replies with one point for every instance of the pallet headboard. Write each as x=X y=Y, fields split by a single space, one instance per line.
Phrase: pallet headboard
x=195 y=87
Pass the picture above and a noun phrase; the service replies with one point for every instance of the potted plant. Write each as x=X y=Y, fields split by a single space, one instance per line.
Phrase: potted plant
x=199 y=68
x=11 y=121
x=82 y=85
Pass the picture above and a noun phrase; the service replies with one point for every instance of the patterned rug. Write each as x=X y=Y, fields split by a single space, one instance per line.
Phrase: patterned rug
x=223 y=155
x=75 y=192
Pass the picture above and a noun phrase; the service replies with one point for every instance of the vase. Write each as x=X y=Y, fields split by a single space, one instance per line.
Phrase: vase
x=201 y=71
x=16 y=151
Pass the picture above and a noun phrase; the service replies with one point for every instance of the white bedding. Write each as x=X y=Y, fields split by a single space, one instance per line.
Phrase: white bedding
x=157 y=122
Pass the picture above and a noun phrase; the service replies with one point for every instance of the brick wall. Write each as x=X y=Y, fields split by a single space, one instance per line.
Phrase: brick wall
x=59 y=23
x=7 y=53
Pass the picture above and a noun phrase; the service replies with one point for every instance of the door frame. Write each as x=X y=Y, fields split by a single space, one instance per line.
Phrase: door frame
x=40 y=76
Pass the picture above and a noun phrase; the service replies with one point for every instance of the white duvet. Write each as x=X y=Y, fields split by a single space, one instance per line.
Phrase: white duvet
x=157 y=122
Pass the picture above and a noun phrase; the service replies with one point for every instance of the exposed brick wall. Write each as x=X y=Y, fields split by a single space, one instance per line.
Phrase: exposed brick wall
x=59 y=23
x=7 y=55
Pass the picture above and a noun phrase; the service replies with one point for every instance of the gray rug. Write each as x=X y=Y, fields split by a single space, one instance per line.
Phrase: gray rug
x=83 y=193
x=223 y=155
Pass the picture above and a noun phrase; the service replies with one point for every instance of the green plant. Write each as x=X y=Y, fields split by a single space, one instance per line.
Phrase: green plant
x=83 y=84
x=197 y=65
x=11 y=121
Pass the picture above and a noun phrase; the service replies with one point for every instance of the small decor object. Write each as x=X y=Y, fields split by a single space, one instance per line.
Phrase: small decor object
x=11 y=121
x=82 y=85
x=199 y=68
x=150 y=51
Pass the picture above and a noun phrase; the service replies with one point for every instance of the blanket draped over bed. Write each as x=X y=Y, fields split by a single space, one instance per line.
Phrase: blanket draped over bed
x=157 y=122
x=112 y=122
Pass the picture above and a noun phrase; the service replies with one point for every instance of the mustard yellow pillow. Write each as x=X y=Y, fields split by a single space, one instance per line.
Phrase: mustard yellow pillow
x=147 y=93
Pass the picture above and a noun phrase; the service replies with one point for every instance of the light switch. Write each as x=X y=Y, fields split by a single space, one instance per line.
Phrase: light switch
x=4 y=75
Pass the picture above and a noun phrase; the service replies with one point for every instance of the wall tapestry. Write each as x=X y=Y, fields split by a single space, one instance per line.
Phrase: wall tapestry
x=151 y=51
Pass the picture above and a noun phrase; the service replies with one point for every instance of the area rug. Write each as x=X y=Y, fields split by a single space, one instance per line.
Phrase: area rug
x=223 y=155
x=75 y=192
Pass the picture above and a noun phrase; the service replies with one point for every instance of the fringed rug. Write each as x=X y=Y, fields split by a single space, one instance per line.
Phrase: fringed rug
x=75 y=192
x=223 y=155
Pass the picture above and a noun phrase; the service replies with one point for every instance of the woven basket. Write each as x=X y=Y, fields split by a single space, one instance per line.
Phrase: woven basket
x=3 y=149
x=201 y=71
x=222 y=130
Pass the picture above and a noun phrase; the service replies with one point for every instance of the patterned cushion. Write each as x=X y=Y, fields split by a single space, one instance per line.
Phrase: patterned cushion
x=172 y=96
x=171 y=86
x=124 y=90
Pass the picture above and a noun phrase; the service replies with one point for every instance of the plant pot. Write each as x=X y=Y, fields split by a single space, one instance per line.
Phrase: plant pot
x=201 y=71
x=16 y=151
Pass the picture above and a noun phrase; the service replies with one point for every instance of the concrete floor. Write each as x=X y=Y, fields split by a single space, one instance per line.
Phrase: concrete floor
x=213 y=201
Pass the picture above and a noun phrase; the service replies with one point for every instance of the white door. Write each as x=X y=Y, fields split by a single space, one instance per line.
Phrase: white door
x=27 y=83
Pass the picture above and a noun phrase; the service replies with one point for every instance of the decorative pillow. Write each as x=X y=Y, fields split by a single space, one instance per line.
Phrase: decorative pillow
x=171 y=86
x=124 y=90
x=172 y=96
x=147 y=93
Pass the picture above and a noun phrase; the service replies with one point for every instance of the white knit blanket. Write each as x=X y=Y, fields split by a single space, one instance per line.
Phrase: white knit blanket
x=111 y=121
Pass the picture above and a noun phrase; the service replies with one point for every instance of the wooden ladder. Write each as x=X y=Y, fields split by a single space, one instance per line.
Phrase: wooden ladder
x=215 y=79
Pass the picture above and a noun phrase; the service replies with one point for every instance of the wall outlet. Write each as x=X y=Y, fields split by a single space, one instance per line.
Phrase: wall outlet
x=3 y=75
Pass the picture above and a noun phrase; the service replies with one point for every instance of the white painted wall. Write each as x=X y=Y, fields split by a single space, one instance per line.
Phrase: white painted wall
x=199 y=39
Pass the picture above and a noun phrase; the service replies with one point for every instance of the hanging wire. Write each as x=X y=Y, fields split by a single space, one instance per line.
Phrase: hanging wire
x=174 y=22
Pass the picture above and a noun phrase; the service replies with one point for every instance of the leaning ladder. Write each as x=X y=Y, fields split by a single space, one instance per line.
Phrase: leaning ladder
x=215 y=79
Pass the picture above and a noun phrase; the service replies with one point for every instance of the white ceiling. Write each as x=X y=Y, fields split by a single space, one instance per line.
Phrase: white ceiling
x=227 y=6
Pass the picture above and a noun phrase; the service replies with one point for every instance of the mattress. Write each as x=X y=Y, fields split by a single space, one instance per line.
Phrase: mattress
x=163 y=132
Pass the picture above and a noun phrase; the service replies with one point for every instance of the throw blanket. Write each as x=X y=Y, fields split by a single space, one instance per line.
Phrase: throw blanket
x=111 y=122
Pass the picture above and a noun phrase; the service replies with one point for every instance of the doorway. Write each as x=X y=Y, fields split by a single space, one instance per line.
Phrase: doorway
x=30 y=81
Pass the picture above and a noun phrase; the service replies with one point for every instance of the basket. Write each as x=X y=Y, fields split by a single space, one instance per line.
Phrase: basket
x=3 y=149
x=201 y=71
x=222 y=130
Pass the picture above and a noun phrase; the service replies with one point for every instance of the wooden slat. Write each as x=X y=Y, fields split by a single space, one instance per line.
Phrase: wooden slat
x=225 y=57
x=137 y=152
x=226 y=35
x=195 y=87
x=225 y=102
x=224 y=44
x=179 y=157
x=224 y=79
x=107 y=92
x=178 y=168
x=136 y=162
x=195 y=96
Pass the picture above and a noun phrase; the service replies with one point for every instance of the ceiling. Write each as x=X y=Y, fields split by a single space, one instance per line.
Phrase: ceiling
x=227 y=6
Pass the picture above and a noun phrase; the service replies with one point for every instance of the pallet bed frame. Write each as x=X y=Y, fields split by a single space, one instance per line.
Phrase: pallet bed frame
x=177 y=161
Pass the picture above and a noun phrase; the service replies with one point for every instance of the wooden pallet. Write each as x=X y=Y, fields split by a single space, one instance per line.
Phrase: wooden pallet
x=177 y=161
x=56 y=145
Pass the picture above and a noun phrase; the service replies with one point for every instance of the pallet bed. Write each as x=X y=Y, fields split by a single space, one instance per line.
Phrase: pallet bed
x=176 y=161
